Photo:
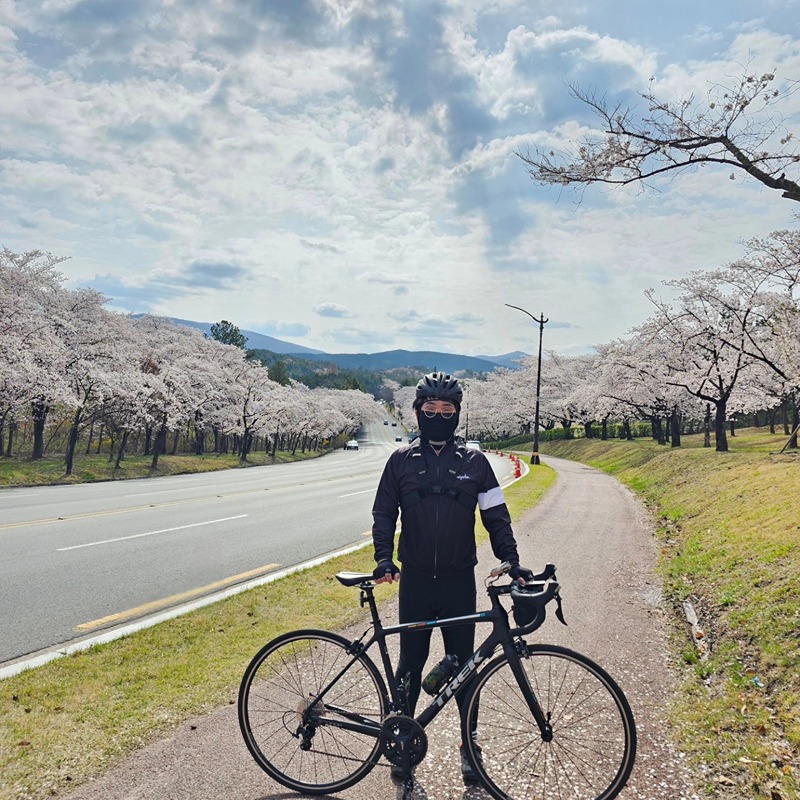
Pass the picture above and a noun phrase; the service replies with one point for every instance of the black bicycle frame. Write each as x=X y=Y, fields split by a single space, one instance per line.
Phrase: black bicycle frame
x=501 y=636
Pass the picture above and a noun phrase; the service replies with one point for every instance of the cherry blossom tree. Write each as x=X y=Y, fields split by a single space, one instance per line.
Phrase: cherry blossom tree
x=492 y=406
x=404 y=405
x=170 y=355
x=703 y=342
x=738 y=127
x=92 y=340
x=770 y=275
x=31 y=351
x=768 y=280
x=635 y=381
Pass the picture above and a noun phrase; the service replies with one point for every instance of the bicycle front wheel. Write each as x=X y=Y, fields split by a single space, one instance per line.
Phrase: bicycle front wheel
x=276 y=701
x=593 y=746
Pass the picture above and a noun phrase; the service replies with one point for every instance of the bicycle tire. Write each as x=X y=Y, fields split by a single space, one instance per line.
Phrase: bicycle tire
x=593 y=747
x=275 y=690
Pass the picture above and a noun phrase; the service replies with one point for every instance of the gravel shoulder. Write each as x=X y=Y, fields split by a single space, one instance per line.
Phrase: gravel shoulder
x=601 y=539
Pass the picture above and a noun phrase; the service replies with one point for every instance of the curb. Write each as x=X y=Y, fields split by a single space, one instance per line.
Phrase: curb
x=51 y=654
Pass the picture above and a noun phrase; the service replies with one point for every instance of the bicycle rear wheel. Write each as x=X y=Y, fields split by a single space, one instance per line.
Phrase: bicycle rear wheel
x=275 y=695
x=593 y=747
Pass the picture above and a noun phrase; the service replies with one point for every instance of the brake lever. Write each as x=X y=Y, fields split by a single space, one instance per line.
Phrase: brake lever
x=559 y=610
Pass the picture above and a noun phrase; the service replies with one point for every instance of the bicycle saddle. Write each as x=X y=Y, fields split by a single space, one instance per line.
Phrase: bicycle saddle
x=353 y=578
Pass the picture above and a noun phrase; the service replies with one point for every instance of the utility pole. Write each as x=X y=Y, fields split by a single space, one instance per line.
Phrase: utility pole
x=541 y=322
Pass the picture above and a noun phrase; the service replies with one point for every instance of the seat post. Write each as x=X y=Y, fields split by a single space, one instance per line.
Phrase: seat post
x=368 y=598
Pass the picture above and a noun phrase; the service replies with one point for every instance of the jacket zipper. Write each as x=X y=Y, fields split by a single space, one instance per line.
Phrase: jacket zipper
x=436 y=535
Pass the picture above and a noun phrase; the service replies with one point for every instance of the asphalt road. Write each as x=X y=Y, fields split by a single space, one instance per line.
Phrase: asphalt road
x=602 y=541
x=79 y=560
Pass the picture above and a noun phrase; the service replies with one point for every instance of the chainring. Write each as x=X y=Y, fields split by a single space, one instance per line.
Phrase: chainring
x=403 y=737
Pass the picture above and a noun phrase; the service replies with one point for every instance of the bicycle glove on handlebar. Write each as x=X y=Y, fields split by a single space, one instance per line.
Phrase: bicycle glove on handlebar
x=385 y=568
x=516 y=572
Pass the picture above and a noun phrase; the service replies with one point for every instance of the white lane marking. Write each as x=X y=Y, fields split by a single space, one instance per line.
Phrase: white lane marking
x=353 y=494
x=149 y=533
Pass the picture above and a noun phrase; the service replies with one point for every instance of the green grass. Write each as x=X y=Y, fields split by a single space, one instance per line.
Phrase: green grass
x=18 y=471
x=730 y=541
x=76 y=717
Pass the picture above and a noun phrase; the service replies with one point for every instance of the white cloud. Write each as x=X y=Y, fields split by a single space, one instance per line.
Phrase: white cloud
x=332 y=310
x=291 y=149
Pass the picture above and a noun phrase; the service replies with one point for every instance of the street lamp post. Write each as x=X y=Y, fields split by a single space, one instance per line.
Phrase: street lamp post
x=541 y=322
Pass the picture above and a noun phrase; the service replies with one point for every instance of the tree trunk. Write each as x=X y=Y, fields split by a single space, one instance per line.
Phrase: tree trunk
x=90 y=439
x=175 y=443
x=100 y=438
x=732 y=424
x=243 y=446
x=121 y=451
x=72 y=441
x=771 y=420
x=275 y=442
x=12 y=428
x=160 y=443
x=719 y=426
x=587 y=430
x=148 y=439
x=199 y=434
x=785 y=410
x=39 y=410
x=795 y=422
x=675 y=428
x=658 y=429
x=604 y=429
x=707 y=426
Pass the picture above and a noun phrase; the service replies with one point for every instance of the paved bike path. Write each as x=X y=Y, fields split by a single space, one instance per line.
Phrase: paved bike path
x=601 y=539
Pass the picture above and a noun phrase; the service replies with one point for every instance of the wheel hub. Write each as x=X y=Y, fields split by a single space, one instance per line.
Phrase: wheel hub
x=307 y=708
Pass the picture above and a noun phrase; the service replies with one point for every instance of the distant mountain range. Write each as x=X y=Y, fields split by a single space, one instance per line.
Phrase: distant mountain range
x=255 y=341
x=389 y=359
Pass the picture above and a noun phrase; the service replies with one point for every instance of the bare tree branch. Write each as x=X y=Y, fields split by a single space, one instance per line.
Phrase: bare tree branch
x=738 y=127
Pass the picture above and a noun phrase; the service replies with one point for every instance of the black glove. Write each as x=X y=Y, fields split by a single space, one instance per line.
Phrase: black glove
x=384 y=568
x=517 y=572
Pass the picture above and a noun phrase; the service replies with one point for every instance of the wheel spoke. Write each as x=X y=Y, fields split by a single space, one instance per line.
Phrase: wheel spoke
x=278 y=712
x=593 y=744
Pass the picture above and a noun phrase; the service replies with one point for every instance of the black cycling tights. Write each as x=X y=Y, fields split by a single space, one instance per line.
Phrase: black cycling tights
x=426 y=598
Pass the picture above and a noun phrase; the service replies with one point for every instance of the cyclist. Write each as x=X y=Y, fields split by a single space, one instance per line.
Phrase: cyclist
x=435 y=483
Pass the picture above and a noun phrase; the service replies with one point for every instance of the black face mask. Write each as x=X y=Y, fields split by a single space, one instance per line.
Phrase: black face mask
x=437 y=428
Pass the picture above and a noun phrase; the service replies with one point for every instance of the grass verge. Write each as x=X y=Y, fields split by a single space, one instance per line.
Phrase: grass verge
x=87 y=469
x=76 y=717
x=730 y=545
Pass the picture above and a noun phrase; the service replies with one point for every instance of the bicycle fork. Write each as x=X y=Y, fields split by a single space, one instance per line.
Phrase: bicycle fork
x=515 y=655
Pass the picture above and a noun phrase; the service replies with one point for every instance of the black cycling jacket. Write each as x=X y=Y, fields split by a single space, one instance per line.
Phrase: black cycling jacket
x=437 y=533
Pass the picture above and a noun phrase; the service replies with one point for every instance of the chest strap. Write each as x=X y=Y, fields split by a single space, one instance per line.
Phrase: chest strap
x=448 y=485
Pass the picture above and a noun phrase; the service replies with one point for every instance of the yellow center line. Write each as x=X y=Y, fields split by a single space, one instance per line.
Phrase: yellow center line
x=175 y=599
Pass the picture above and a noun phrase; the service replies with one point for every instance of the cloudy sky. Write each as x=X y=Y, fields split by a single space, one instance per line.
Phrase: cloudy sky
x=342 y=173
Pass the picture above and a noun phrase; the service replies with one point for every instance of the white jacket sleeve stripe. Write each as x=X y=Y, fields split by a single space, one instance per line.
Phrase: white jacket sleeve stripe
x=494 y=497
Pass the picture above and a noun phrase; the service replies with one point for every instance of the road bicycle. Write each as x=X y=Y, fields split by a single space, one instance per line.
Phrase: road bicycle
x=540 y=721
